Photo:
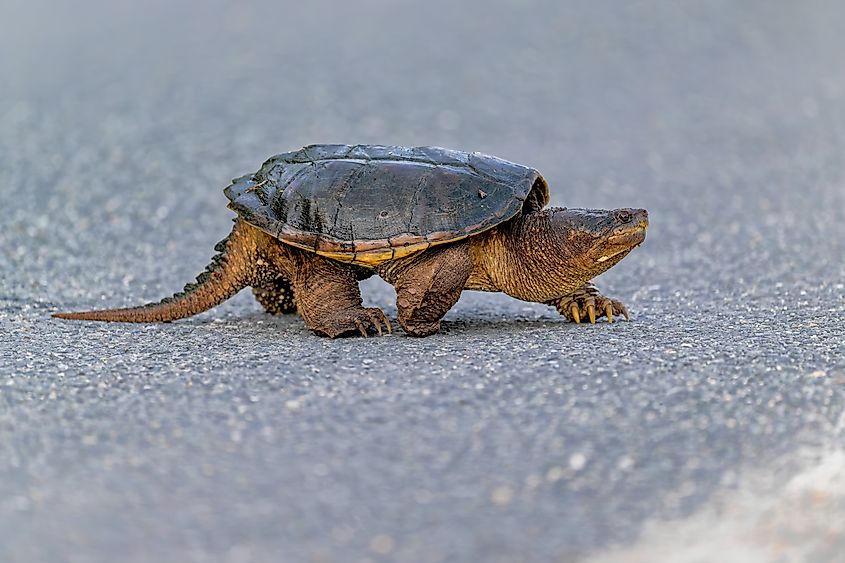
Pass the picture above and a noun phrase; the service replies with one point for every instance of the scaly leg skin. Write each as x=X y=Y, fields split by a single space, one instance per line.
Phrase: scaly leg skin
x=428 y=285
x=586 y=303
x=275 y=295
x=329 y=300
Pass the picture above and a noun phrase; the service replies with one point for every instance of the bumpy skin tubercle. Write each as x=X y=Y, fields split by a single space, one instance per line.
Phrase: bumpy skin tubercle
x=430 y=221
x=276 y=296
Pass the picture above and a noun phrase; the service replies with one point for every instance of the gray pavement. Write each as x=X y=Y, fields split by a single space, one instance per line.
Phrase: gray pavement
x=511 y=436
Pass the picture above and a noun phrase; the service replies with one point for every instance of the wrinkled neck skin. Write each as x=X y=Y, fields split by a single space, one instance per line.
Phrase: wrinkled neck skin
x=534 y=258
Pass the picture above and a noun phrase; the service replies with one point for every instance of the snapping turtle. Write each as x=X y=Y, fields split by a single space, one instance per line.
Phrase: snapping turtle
x=432 y=222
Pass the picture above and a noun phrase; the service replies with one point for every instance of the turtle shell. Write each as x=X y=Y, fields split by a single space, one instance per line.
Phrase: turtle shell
x=369 y=203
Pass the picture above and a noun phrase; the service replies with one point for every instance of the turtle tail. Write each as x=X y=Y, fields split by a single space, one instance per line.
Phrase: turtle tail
x=232 y=269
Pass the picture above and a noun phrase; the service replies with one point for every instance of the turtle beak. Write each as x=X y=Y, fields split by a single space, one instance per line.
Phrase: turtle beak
x=631 y=231
x=628 y=233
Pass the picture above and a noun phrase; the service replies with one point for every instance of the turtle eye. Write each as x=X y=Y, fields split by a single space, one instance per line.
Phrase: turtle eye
x=625 y=216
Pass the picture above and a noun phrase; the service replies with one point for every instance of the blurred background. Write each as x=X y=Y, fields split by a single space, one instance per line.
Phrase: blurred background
x=641 y=103
x=511 y=437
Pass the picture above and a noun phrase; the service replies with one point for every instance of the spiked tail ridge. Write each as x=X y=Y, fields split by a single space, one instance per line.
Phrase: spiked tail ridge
x=232 y=269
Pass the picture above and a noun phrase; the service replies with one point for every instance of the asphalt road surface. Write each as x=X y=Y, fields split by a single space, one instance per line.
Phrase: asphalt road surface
x=708 y=428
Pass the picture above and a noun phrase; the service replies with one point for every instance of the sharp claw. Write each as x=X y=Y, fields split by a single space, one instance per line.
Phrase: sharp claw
x=377 y=317
x=624 y=312
x=576 y=315
x=375 y=320
x=608 y=310
x=383 y=318
x=361 y=328
x=591 y=312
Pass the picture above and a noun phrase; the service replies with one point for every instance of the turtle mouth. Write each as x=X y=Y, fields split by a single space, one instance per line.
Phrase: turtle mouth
x=624 y=239
x=628 y=236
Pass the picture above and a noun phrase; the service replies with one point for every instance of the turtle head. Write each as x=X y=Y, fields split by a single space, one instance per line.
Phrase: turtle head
x=550 y=253
x=593 y=240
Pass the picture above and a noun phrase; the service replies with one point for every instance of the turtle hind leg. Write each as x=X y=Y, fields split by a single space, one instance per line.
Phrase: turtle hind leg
x=587 y=304
x=275 y=295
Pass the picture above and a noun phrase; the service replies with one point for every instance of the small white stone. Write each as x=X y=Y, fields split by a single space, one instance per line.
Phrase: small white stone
x=382 y=544
x=554 y=474
x=502 y=495
x=577 y=461
x=625 y=463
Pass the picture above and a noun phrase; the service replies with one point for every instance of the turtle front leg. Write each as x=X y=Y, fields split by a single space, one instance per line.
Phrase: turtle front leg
x=329 y=300
x=428 y=285
x=586 y=303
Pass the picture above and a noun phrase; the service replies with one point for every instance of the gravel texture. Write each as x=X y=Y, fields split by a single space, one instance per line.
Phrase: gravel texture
x=512 y=436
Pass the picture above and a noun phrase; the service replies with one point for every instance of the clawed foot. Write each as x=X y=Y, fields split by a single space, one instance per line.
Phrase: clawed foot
x=588 y=304
x=351 y=321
